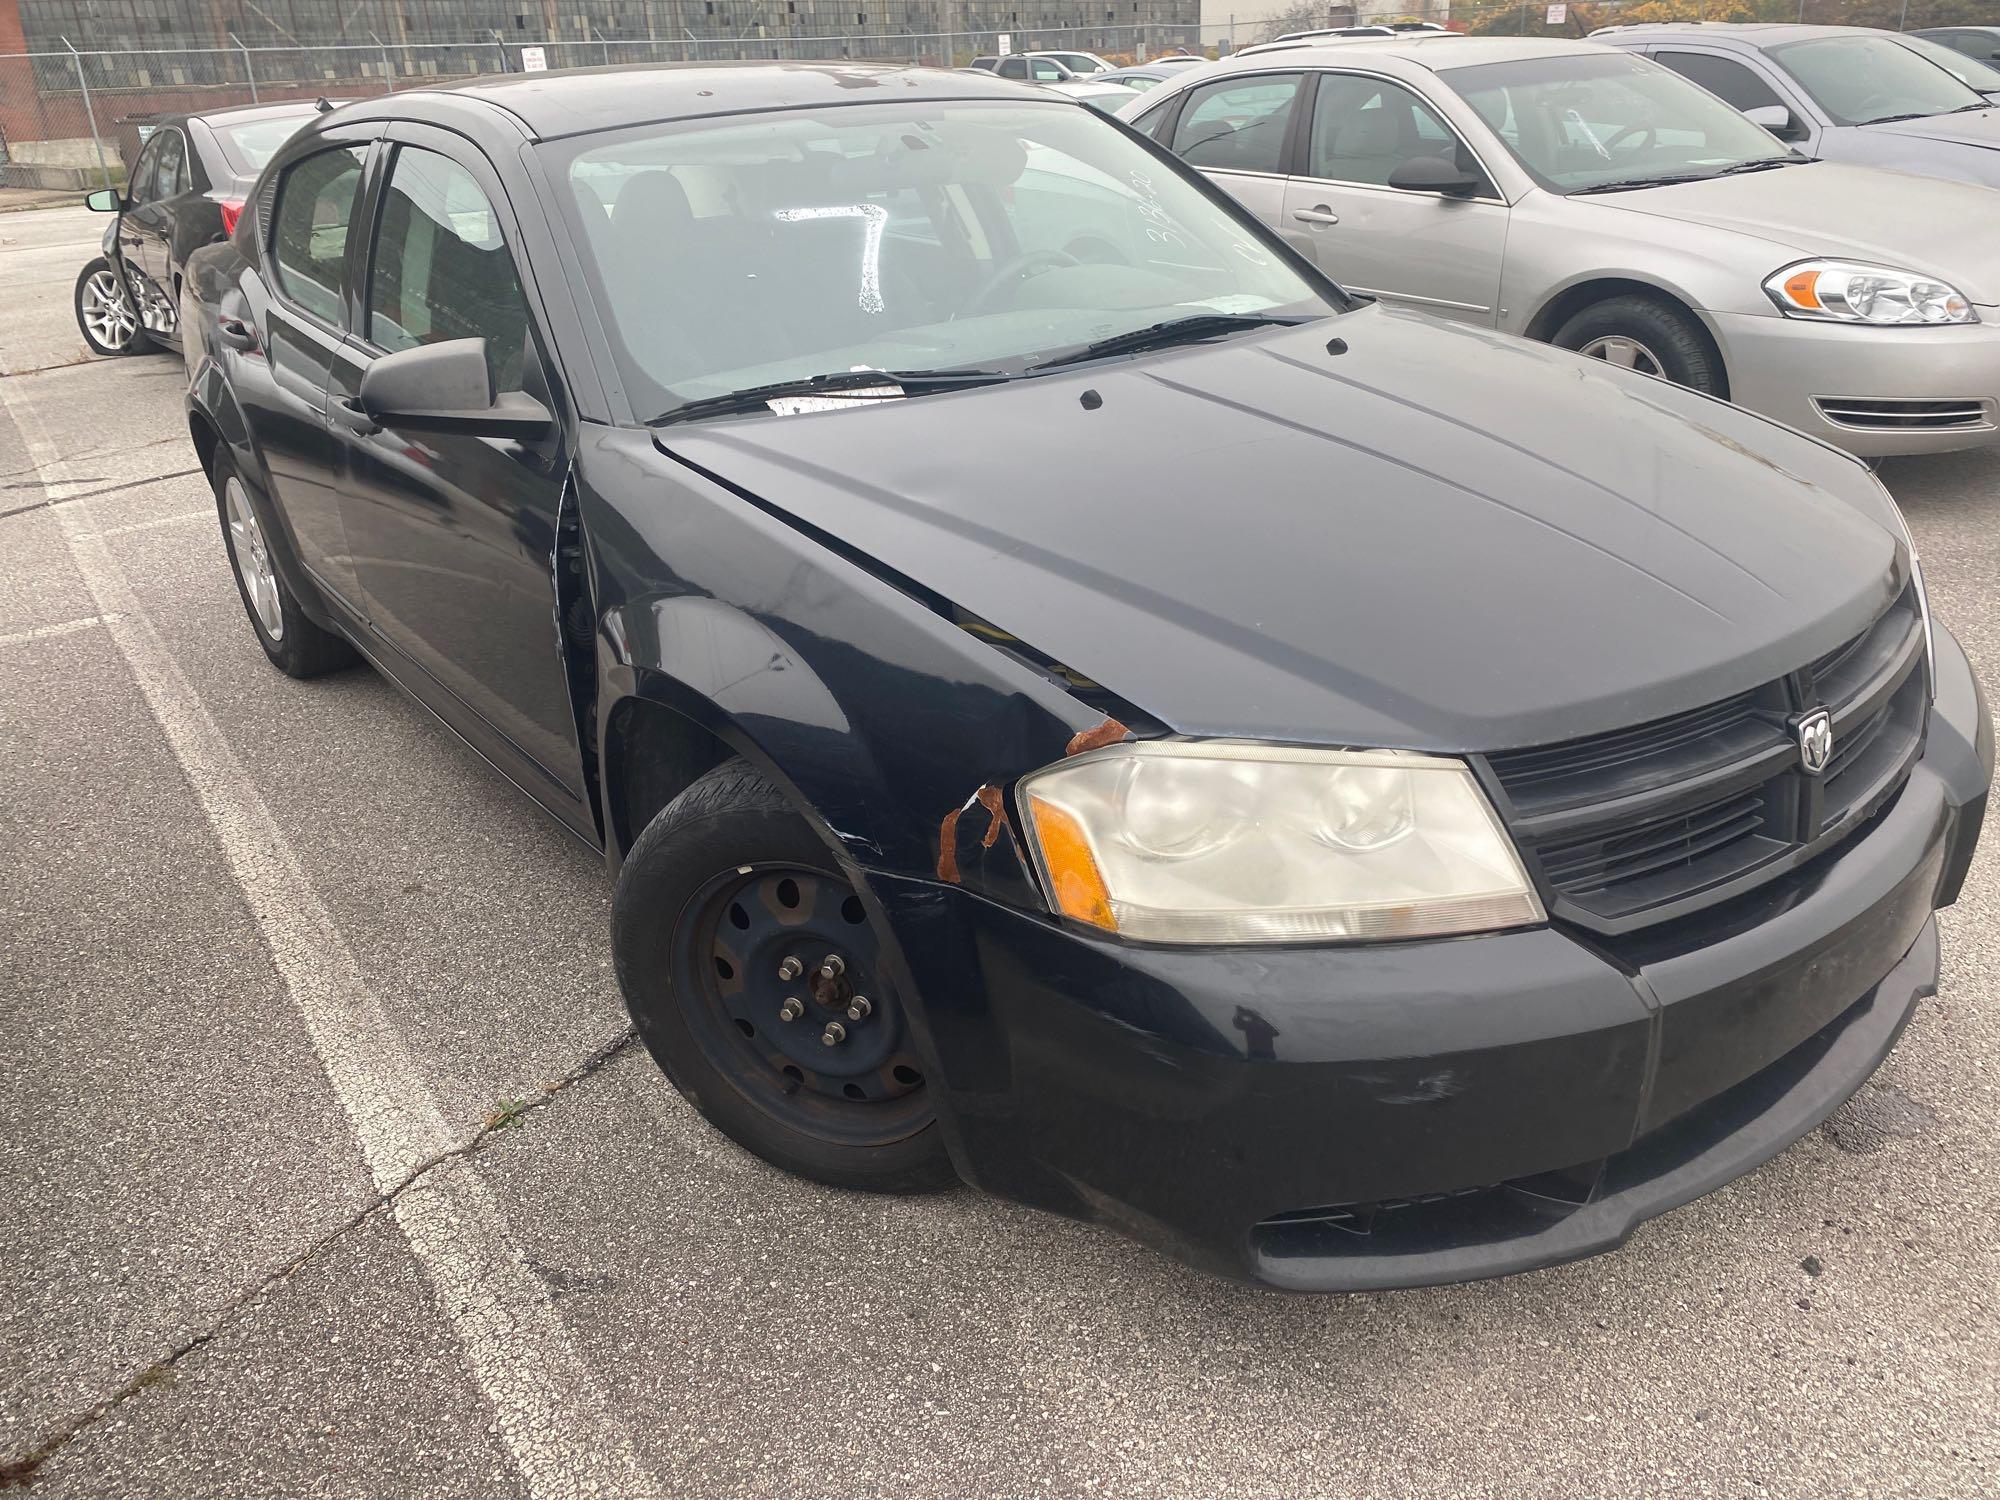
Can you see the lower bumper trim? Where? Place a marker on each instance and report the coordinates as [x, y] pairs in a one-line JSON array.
[[1558, 1217]]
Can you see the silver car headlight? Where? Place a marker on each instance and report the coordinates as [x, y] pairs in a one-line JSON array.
[[1174, 841], [1839, 291]]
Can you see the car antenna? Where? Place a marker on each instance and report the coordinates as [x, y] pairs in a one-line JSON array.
[[323, 105]]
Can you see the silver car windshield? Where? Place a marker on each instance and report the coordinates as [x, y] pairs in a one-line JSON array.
[[1868, 80], [1969, 71], [948, 236], [1585, 120]]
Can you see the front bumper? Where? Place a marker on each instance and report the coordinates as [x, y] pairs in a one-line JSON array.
[[1403, 1114], [1797, 372]]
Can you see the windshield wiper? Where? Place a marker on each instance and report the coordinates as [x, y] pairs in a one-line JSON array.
[[855, 383], [1626, 184], [1764, 163], [1925, 114], [1188, 330]]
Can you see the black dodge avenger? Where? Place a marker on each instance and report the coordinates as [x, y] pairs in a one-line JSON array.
[[1074, 701]]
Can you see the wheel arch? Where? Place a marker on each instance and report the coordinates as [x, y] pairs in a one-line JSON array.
[[1567, 301]]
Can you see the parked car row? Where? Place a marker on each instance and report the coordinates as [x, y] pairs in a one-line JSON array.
[[1706, 204], [1431, 803]]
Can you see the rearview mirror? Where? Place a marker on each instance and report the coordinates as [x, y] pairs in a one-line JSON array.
[[448, 387], [1776, 119], [104, 201], [1433, 174]]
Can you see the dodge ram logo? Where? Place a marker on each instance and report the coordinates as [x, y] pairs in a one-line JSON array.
[[1816, 741]]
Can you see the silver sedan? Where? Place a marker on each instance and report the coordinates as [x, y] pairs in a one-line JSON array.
[[1590, 198], [1839, 93]]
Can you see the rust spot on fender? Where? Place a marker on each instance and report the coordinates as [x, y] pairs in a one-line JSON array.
[[1110, 732], [988, 797]]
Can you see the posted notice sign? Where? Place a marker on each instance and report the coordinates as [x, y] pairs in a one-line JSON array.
[[536, 59], [1558, 14], [1004, 44]]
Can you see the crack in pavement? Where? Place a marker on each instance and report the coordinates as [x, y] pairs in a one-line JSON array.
[[19, 1472], [130, 484]]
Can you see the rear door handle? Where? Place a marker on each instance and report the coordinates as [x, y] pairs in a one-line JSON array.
[[348, 413], [236, 333], [1319, 215]]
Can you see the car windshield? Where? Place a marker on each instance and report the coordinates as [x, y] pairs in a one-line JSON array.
[[732, 254], [252, 143], [1865, 80], [1586, 120], [1969, 71]]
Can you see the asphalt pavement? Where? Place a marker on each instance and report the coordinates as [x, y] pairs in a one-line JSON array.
[[327, 1167]]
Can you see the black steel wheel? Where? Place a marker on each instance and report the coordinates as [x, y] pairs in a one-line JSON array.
[[753, 972]]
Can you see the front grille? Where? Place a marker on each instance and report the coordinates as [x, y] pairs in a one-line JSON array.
[[1882, 414], [1636, 825]]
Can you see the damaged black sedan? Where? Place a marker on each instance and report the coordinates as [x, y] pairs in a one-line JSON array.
[[1075, 702]]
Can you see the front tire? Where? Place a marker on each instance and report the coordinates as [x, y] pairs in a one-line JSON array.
[[1648, 335], [296, 645], [726, 911], [105, 314]]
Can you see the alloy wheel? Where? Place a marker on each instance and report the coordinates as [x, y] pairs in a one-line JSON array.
[[776, 970], [1626, 353], [253, 560], [107, 311]]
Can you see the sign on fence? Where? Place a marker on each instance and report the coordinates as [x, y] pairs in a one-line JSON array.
[[1005, 44], [534, 60], [1558, 14]]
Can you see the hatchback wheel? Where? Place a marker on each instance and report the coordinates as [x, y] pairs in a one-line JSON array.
[[295, 644], [109, 321], [754, 975], [1647, 335]]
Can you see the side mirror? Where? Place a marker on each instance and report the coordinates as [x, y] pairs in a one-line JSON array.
[[1433, 174], [1776, 119], [448, 387], [104, 201]]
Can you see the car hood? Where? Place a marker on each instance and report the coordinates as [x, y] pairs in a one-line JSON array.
[[1438, 539], [1973, 128], [1945, 228]]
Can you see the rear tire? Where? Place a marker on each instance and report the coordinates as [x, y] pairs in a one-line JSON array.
[[105, 314], [723, 891], [1646, 334], [295, 644]]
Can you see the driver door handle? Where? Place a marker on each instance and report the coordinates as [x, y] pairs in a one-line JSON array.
[[1318, 214]]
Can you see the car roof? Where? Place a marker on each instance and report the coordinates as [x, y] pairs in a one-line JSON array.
[[1753, 34], [1425, 49], [573, 101]]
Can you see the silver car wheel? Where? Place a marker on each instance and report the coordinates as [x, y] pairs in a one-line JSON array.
[[253, 560], [107, 311], [1626, 353]]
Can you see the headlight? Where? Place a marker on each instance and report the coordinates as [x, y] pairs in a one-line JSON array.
[[1227, 842], [1838, 291]]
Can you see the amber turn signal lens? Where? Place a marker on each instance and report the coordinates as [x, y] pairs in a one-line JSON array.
[[1803, 289], [1076, 884]]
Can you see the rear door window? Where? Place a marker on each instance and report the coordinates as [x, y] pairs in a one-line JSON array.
[[1239, 125], [309, 228]]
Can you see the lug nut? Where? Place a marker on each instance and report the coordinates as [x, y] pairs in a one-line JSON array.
[[832, 968], [790, 969], [858, 1008], [834, 1034], [792, 1009]]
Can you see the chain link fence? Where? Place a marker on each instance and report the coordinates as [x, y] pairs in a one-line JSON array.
[[75, 118]]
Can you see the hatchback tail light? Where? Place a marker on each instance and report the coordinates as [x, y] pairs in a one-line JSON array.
[[232, 210]]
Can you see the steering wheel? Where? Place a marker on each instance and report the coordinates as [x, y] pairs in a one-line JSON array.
[[1641, 129], [1013, 270]]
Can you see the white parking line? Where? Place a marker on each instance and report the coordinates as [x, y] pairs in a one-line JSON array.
[[43, 632], [553, 1418]]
